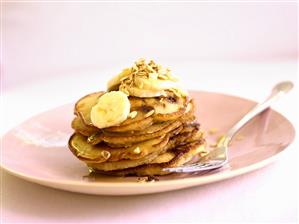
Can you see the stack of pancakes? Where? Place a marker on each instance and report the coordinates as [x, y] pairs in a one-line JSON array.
[[150, 139]]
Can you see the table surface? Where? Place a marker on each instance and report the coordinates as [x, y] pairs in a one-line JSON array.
[[269, 194]]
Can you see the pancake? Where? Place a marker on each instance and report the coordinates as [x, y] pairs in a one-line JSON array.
[[155, 166], [142, 106], [150, 125], [84, 105], [170, 116], [129, 137], [123, 164], [183, 138], [171, 134], [151, 129], [133, 126], [102, 152], [136, 128], [129, 140], [79, 126], [167, 108], [170, 102], [113, 152]]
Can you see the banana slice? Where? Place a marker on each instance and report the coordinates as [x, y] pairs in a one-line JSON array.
[[151, 86], [111, 109], [142, 93], [116, 80]]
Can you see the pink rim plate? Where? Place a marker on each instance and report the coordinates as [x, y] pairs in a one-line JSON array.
[[37, 149]]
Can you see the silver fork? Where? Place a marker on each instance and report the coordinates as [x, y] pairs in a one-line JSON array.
[[219, 156]]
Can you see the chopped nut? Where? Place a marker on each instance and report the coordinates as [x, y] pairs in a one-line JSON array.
[[105, 154], [136, 150], [90, 170], [220, 141], [213, 131], [203, 153], [150, 113], [142, 179], [175, 91], [91, 138], [151, 63], [124, 90], [133, 114], [163, 77], [189, 107], [135, 68], [149, 69], [140, 61]]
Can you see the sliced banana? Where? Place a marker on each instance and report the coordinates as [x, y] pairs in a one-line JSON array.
[[135, 91], [116, 80], [111, 109], [153, 83]]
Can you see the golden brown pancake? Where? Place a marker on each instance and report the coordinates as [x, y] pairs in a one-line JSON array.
[[133, 126], [162, 102], [149, 154], [151, 129], [142, 106], [173, 158], [129, 140], [171, 134], [149, 124], [84, 105], [123, 164], [98, 153], [79, 126]]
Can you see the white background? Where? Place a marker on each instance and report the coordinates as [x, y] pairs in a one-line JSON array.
[[44, 39]]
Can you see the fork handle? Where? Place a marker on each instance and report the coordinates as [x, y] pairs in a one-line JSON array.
[[277, 91]]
